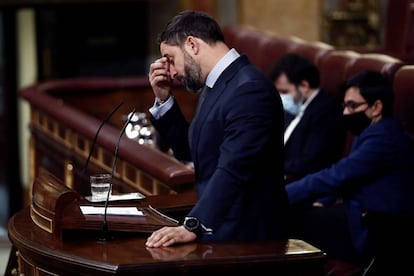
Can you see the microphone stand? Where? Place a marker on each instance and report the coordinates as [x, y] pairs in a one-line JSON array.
[[85, 167], [105, 235]]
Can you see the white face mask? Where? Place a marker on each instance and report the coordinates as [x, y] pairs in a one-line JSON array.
[[289, 104]]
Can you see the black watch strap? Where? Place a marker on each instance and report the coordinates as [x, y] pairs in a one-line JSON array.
[[192, 224]]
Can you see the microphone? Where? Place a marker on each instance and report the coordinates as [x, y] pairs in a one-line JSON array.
[[105, 235], [108, 116]]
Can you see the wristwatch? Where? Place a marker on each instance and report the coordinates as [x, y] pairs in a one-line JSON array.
[[192, 224]]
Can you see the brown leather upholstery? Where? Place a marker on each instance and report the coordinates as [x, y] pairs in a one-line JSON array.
[[246, 41], [339, 65], [334, 69], [264, 48], [404, 97], [312, 50], [272, 48], [399, 30], [230, 33], [378, 62]]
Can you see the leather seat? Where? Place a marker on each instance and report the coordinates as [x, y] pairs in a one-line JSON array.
[[245, 40], [404, 97], [272, 48], [314, 51], [378, 62], [334, 70], [230, 33]]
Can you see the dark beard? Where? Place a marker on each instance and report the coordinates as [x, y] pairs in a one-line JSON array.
[[192, 74]]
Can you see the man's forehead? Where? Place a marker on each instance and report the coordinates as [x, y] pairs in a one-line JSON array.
[[167, 50], [353, 91]]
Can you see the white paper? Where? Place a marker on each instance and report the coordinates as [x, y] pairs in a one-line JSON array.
[[130, 196], [95, 210]]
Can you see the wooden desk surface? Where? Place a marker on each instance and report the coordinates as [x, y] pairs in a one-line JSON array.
[[79, 253]]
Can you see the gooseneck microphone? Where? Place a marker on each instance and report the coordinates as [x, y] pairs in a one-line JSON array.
[[104, 121], [105, 235]]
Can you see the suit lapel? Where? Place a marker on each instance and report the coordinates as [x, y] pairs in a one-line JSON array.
[[211, 97]]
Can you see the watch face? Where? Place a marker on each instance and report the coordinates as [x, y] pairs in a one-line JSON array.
[[191, 224]]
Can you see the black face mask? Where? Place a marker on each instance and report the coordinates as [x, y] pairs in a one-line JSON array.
[[356, 122]]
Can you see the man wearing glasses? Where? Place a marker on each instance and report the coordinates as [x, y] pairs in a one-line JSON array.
[[376, 176]]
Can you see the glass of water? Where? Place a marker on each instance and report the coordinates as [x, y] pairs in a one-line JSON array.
[[100, 186]]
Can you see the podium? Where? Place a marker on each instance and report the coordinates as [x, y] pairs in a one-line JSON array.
[[53, 237], [56, 208]]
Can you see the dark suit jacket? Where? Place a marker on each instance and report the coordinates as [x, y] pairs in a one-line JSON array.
[[237, 150], [288, 118], [318, 139], [377, 175]]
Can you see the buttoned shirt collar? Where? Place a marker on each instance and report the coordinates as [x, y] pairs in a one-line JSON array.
[[223, 63], [308, 101]]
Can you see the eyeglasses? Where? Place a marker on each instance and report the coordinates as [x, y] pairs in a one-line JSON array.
[[352, 105]]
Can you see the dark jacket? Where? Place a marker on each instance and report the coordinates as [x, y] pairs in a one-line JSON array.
[[377, 175], [319, 138], [237, 150]]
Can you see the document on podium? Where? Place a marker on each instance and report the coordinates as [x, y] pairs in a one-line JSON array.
[[122, 218], [120, 197], [97, 210]]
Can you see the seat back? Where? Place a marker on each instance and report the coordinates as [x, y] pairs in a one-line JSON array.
[[230, 33], [312, 50], [334, 70], [245, 40], [272, 48], [378, 62], [262, 48], [399, 29], [404, 97]]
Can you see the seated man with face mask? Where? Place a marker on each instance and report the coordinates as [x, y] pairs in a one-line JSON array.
[[314, 135], [376, 176]]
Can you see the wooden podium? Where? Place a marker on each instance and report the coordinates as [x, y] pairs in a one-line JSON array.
[[56, 208], [53, 237]]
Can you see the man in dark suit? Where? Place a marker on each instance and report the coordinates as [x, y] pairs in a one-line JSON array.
[[235, 139], [314, 133]]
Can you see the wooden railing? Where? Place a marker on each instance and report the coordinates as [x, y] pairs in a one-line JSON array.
[[65, 116]]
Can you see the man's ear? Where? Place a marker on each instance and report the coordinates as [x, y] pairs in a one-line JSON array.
[[192, 45], [305, 84], [377, 108]]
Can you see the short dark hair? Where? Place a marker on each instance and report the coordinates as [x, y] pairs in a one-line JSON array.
[[297, 68], [194, 23], [374, 86]]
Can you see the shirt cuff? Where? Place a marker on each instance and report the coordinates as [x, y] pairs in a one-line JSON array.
[[158, 110]]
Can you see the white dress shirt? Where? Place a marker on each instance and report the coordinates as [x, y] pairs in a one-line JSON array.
[[291, 127]]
